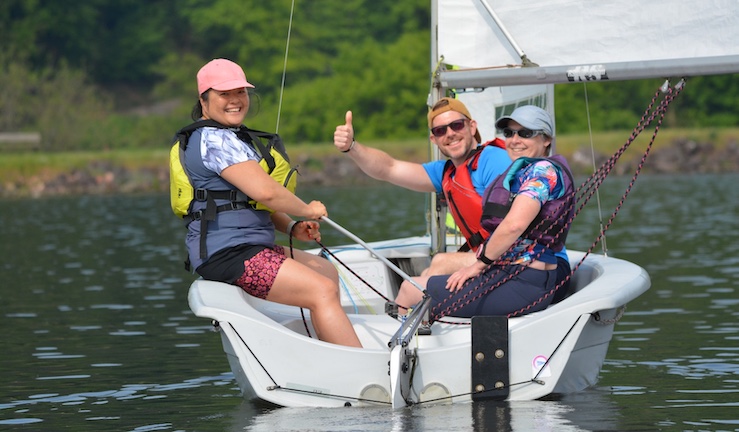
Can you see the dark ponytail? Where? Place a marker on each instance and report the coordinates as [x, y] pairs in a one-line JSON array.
[[197, 109]]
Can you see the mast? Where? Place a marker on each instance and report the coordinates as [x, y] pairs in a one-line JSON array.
[[437, 215]]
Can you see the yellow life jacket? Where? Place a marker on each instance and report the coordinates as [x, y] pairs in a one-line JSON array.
[[275, 162]]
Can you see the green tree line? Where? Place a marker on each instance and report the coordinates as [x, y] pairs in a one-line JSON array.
[[100, 74]]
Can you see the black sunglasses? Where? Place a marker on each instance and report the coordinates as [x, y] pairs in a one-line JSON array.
[[523, 133], [456, 126]]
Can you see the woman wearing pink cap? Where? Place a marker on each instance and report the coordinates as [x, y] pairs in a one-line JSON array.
[[238, 241]]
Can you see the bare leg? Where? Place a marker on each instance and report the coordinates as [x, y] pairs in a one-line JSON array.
[[317, 263], [409, 295], [448, 262], [307, 286], [441, 264]]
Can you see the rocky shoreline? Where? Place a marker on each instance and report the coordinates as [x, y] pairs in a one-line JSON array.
[[683, 156], [105, 177]]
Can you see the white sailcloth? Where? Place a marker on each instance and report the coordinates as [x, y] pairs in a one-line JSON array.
[[487, 105], [496, 55], [687, 36]]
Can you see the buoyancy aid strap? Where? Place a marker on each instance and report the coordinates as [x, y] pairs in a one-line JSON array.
[[474, 157], [475, 240], [208, 215], [196, 216], [203, 238], [464, 248], [496, 210], [229, 195], [255, 139], [183, 134]]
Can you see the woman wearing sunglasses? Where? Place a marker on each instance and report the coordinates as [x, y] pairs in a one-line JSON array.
[[527, 211]]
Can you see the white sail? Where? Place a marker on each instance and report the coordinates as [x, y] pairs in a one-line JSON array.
[[495, 55], [583, 40], [494, 102]]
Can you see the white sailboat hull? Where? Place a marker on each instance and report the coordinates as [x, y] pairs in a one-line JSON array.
[[274, 359], [494, 59]]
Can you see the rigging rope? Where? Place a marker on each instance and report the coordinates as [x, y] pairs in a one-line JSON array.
[[592, 155], [581, 196], [325, 249], [276, 386], [284, 66]]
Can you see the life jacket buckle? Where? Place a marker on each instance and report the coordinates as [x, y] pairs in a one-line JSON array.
[[195, 216], [200, 194], [232, 206]]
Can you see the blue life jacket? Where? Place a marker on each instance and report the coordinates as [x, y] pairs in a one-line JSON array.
[[199, 194]]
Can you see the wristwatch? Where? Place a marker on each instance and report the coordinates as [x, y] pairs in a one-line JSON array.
[[481, 255]]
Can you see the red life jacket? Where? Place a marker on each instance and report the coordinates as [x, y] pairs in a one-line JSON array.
[[464, 202]]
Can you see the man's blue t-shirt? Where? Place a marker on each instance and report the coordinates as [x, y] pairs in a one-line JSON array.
[[492, 162]]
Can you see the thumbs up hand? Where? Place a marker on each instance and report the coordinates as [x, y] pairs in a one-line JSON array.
[[344, 134]]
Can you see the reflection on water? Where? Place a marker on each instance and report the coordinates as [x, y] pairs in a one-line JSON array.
[[590, 410], [98, 334]]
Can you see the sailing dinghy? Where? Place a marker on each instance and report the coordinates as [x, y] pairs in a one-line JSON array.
[[494, 56], [558, 350]]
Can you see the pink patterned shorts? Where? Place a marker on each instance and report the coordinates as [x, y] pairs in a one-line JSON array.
[[261, 270]]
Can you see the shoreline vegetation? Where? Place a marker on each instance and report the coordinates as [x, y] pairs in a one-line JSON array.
[[34, 174]]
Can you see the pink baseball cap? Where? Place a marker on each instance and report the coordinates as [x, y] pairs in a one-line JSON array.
[[221, 74]]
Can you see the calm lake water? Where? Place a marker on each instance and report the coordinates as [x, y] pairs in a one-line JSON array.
[[98, 336]]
